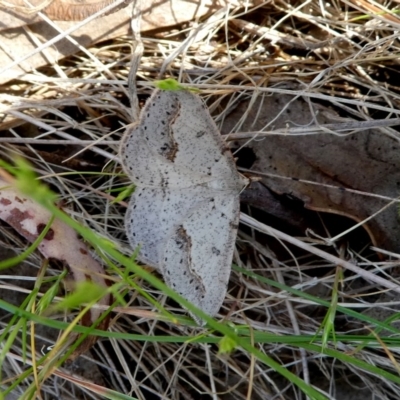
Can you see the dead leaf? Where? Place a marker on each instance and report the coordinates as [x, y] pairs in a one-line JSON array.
[[366, 161], [17, 29], [61, 243], [74, 10], [17, 13]]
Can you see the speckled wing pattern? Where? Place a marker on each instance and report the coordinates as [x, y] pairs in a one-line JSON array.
[[184, 212]]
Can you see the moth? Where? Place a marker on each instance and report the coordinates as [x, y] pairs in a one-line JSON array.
[[184, 212]]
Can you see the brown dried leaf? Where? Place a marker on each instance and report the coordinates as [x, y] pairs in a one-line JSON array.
[[366, 161], [17, 42], [17, 13], [73, 10], [61, 243]]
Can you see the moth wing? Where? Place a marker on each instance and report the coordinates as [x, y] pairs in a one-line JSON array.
[[142, 224], [176, 144], [185, 211], [151, 215], [197, 257], [201, 147]]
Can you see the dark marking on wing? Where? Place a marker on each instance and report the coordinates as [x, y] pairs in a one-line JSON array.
[[164, 182], [170, 148], [215, 251], [183, 241]]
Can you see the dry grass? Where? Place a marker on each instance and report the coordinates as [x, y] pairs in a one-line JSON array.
[[67, 121]]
